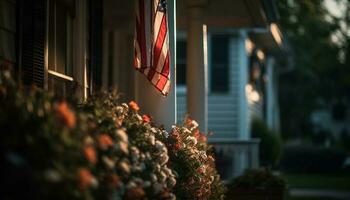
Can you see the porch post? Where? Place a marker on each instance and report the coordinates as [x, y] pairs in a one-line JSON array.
[[270, 92], [244, 112], [151, 101], [196, 78]]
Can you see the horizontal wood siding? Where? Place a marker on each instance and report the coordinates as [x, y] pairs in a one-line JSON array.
[[223, 109]]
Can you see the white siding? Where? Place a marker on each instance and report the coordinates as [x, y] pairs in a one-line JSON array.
[[223, 109]]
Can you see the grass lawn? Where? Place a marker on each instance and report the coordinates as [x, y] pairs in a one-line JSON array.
[[334, 182], [311, 198]]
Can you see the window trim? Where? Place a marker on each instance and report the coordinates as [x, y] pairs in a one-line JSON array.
[[60, 75]]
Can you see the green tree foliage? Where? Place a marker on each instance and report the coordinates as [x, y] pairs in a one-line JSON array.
[[319, 45]]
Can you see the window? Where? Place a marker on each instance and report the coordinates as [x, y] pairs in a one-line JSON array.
[[7, 31], [60, 47], [219, 64], [181, 55]]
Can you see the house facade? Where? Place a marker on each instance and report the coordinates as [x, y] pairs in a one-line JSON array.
[[76, 47]]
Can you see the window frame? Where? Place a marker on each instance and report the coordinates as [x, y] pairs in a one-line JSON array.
[[79, 48]]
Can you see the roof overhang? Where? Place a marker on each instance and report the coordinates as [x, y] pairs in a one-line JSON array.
[[228, 13], [270, 40]]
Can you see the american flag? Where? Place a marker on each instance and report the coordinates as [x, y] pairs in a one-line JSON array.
[[152, 43]]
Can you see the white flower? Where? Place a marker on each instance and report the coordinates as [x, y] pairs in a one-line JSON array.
[[172, 196], [52, 176], [135, 151], [154, 177], [123, 146], [163, 159], [171, 182], [159, 145], [152, 139], [194, 125], [165, 134], [120, 133], [119, 110], [131, 184], [185, 130], [154, 130], [94, 182], [139, 118], [88, 140], [126, 107], [191, 141], [203, 154], [108, 162], [162, 177], [125, 166]]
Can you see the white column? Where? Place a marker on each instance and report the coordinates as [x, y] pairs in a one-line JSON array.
[[197, 89], [244, 114], [150, 100], [270, 92]]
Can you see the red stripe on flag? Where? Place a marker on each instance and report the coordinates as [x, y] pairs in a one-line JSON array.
[[160, 42], [141, 34], [165, 70]]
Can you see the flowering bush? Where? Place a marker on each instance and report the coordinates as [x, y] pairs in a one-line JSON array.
[[100, 149], [40, 145], [192, 159], [136, 154]]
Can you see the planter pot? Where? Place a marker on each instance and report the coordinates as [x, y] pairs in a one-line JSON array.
[[256, 194]]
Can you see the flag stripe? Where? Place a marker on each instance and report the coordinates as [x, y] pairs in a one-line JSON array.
[[152, 43], [160, 41]]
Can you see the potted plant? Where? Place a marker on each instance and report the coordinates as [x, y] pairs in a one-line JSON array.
[[259, 184]]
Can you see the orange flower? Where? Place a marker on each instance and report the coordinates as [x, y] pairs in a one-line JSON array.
[[90, 154], [105, 141], [146, 118], [200, 170], [177, 146], [203, 138], [210, 158], [66, 114], [85, 178], [133, 105], [135, 193], [196, 134]]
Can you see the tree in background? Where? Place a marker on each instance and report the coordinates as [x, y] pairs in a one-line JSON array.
[[321, 61]]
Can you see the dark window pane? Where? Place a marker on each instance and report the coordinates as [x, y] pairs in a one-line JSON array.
[[219, 63], [181, 62], [60, 38]]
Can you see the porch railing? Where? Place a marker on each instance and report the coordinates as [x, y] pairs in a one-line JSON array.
[[235, 155]]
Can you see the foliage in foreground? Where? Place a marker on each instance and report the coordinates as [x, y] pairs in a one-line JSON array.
[[98, 150]]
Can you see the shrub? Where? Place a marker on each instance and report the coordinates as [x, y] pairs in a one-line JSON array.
[[192, 159], [270, 143], [101, 149], [311, 159], [255, 180]]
